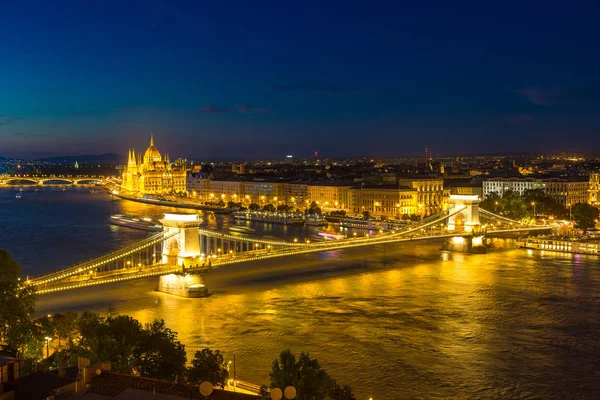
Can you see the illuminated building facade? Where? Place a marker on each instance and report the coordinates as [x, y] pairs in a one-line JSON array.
[[414, 196], [565, 191], [594, 189], [152, 174], [390, 201]]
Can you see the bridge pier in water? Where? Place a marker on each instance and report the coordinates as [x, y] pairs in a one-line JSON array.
[[464, 218], [466, 244]]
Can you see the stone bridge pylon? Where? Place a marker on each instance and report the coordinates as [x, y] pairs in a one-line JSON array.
[[464, 213], [183, 243]]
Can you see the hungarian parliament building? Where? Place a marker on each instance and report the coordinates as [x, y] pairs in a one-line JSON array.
[[152, 174]]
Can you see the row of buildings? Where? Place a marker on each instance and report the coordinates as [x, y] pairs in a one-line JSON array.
[[408, 196], [154, 174], [567, 191]]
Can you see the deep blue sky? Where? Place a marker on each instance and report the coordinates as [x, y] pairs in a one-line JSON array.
[[252, 78]]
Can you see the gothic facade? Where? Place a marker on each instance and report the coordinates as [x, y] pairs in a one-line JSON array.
[[152, 174]]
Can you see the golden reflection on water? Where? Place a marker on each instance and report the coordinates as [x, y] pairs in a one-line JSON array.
[[437, 324]]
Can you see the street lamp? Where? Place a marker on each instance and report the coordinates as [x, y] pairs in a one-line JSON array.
[[571, 211], [48, 339], [533, 204]]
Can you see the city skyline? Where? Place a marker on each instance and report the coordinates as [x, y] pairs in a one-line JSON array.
[[380, 81]]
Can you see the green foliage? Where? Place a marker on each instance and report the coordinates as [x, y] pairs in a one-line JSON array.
[[307, 376], [254, 207], [208, 365], [517, 207], [29, 340], [161, 355], [285, 208], [513, 206], [313, 209], [269, 207], [585, 216], [544, 204], [17, 302], [338, 213], [415, 217], [366, 215], [337, 392]]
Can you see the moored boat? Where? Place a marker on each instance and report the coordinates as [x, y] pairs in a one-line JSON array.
[[331, 235], [241, 229], [574, 245], [129, 221], [313, 221]]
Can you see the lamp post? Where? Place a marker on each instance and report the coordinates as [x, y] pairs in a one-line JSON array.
[[533, 204], [48, 339], [571, 211]]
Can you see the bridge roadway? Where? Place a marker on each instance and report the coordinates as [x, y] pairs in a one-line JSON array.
[[76, 277], [8, 180]]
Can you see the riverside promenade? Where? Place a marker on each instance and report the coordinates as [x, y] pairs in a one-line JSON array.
[[172, 203]]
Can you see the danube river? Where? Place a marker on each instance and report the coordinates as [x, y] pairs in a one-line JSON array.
[[394, 322]]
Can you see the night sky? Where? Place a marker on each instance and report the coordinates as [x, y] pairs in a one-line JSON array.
[[264, 79]]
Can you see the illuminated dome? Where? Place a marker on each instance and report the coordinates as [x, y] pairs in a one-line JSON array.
[[152, 154]]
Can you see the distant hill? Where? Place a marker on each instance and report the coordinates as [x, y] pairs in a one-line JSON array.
[[108, 158]]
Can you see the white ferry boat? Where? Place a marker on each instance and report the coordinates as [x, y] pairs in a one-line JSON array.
[[242, 229], [128, 221], [315, 221], [562, 244], [360, 223], [270, 217]]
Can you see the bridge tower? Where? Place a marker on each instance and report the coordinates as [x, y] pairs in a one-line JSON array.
[[466, 213], [183, 243]]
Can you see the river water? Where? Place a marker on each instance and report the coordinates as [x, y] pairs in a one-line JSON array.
[[398, 321]]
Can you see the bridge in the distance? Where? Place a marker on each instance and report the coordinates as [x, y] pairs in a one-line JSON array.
[[8, 180], [183, 246]]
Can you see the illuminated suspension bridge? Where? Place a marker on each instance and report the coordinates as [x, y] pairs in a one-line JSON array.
[[183, 246]]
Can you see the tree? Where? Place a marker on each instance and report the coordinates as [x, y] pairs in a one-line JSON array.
[[269, 208], [65, 326], [313, 381], [17, 301], [284, 371], [585, 216], [539, 201], [366, 215], [337, 392], [208, 365], [513, 206], [284, 208], [125, 333], [305, 374], [254, 207], [313, 209], [491, 202], [161, 355]]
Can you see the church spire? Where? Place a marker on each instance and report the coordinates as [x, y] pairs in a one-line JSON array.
[[151, 140]]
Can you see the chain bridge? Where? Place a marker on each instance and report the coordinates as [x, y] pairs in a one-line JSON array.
[[184, 246]]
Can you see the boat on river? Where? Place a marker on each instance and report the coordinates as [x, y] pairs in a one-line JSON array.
[[242, 229], [574, 245], [331, 235], [315, 221], [129, 221]]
